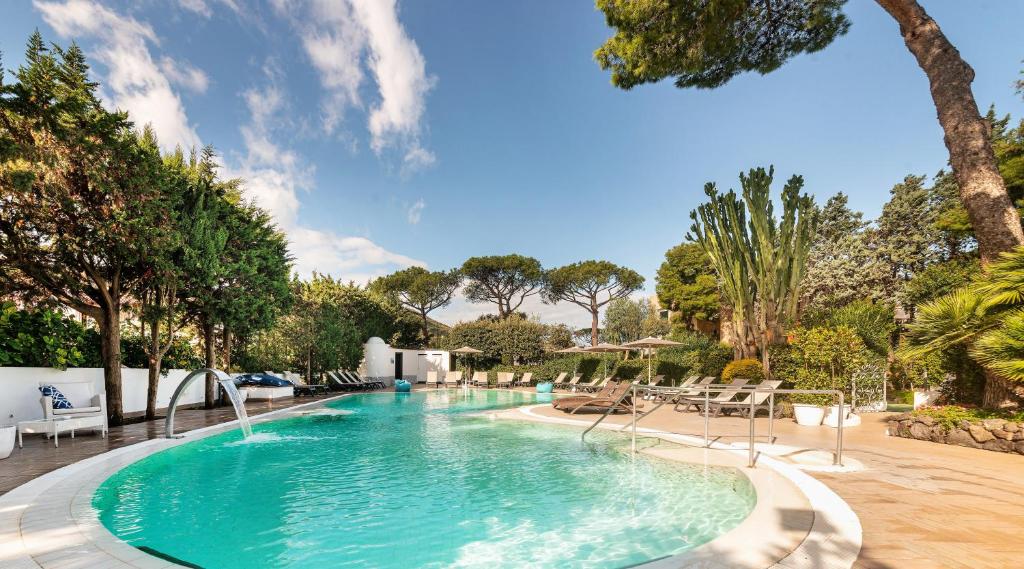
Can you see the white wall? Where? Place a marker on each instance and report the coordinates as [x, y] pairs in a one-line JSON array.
[[379, 363], [19, 389]]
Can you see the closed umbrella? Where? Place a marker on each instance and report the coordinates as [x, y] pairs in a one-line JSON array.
[[651, 344]]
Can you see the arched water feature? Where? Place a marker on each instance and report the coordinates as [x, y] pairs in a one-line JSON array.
[[229, 387]]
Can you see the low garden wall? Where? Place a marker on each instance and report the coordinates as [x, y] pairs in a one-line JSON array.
[[997, 435]]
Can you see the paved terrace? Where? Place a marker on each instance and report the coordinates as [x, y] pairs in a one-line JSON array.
[[920, 504]]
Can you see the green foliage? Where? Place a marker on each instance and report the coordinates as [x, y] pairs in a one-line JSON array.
[[511, 341], [872, 321], [746, 369], [420, 290], [825, 358], [940, 279], [907, 236], [686, 283], [759, 259], [180, 354], [39, 338], [842, 264], [505, 280], [590, 285], [624, 320], [705, 43], [951, 416]]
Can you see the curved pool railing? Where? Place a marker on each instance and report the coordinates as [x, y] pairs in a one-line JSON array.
[[229, 387]]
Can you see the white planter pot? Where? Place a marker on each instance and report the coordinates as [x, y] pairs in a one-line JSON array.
[[831, 418], [807, 414], [925, 398], [7, 440]]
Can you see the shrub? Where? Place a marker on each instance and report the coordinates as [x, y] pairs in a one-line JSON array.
[[748, 368], [826, 358], [39, 338], [950, 416]]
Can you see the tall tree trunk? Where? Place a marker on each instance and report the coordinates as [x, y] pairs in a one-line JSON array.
[[110, 348], [426, 329], [155, 357], [593, 325], [226, 354], [996, 223], [982, 189], [209, 338]]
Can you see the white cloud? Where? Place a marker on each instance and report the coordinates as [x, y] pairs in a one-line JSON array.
[[415, 211], [340, 38], [275, 176], [137, 83], [198, 6], [184, 75]]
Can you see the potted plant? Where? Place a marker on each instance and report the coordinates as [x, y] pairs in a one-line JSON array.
[[809, 408], [7, 433]]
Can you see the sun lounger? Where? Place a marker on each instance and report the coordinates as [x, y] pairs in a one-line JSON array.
[[338, 383], [592, 385], [372, 383], [431, 379], [480, 379], [743, 405], [574, 381], [726, 394], [618, 399], [566, 403], [524, 380], [663, 396], [559, 381], [303, 388], [504, 379], [452, 378]]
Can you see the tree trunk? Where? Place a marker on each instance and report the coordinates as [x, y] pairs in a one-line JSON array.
[[426, 329], [1001, 393], [226, 354], [155, 358], [211, 361], [110, 348], [982, 189], [593, 325]]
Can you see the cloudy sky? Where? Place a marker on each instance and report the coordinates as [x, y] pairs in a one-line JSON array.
[[385, 134]]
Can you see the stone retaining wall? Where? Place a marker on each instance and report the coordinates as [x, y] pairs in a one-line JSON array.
[[991, 434]]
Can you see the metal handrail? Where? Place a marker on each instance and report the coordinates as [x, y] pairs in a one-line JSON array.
[[707, 389], [612, 408]]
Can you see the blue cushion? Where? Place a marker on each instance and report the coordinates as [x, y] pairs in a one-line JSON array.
[[59, 401]]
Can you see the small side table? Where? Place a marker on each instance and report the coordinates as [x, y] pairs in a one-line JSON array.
[[57, 425]]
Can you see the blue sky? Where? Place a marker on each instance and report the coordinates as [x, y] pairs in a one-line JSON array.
[[424, 132]]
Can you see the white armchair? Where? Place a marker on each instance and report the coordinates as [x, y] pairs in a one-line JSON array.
[[84, 400]]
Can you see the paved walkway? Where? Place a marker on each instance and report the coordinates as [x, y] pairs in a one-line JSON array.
[[920, 504]]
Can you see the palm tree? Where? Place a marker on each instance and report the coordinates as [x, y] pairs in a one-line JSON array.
[[986, 317]]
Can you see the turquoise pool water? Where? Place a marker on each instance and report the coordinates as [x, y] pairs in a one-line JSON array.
[[417, 480]]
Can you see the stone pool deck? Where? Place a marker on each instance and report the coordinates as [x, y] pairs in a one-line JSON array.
[[920, 504]]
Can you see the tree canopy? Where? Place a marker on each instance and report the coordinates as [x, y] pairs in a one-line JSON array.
[[704, 43], [505, 280], [591, 285], [687, 285], [421, 291]]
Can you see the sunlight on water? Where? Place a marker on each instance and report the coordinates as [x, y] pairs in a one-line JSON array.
[[420, 480]]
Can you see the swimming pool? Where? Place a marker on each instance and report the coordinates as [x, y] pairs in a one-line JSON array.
[[417, 480]]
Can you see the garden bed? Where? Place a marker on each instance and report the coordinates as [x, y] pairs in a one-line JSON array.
[[999, 432]]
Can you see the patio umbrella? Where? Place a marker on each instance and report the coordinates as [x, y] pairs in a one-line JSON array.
[[572, 350], [651, 344], [467, 351], [604, 348]]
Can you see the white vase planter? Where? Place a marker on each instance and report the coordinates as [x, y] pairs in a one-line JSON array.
[[831, 418], [807, 414], [7, 440]]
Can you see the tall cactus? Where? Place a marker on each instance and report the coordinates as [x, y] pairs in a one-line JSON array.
[[760, 260]]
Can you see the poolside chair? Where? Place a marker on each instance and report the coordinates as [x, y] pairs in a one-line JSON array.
[[504, 379], [303, 388], [431, 379], [559, 381], [669, 396], [592, 385], [574, 381], [567, 403], [452, 378], [524, 380], [370, 383], [683, 393], [480, 379], [727, 394], [743, 405], [335, 381], [618, 399]]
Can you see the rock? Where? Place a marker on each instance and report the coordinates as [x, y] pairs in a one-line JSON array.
[[925, 419], [893, 429], [1019, 447], [993, 424], [902, 417], [904, 429], [1018, 436], [1001, 434], [965, 424], [962, 438], [1011, 427], [920, 431], [980, 433], [998, 445], [938, 434]]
